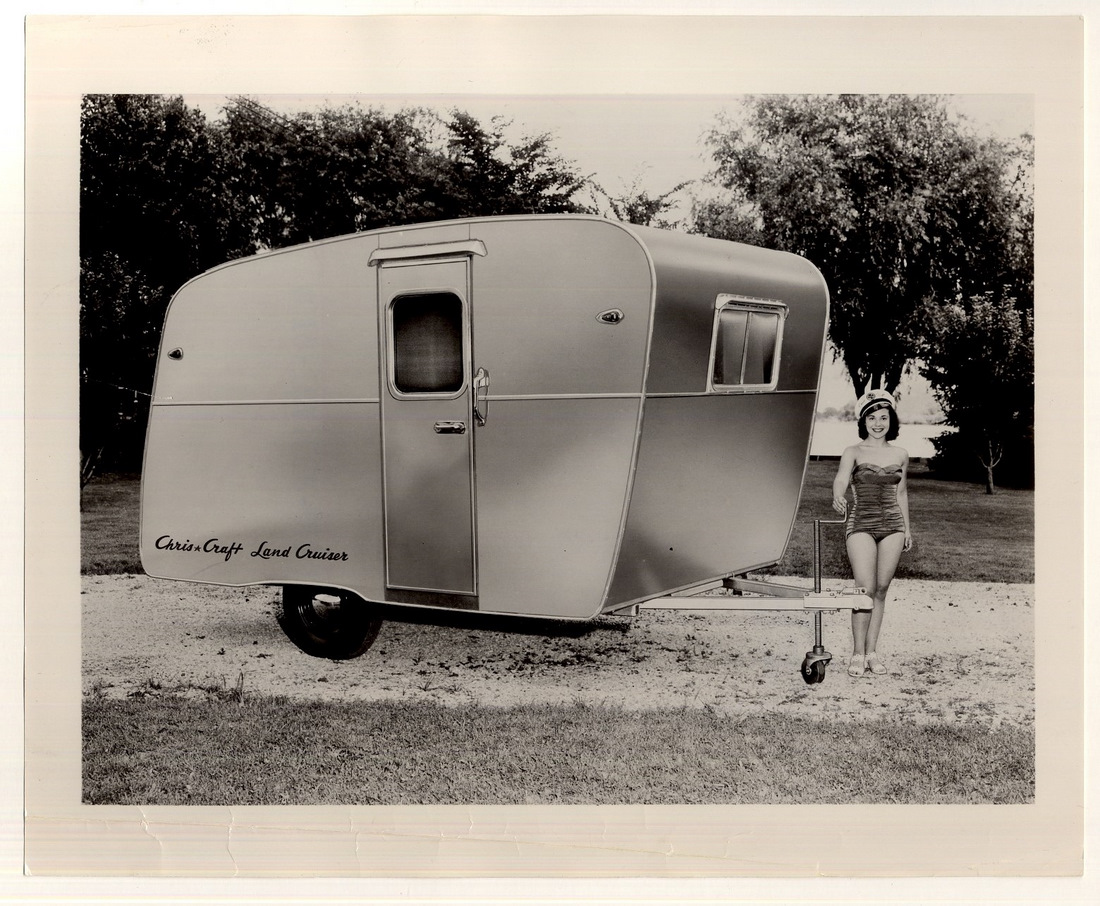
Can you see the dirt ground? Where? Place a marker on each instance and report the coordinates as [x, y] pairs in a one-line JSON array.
[[956, 652]]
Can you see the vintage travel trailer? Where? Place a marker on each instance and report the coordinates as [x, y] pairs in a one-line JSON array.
[[548, 416]]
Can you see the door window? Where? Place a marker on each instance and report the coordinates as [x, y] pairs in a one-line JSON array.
[[427, 343]]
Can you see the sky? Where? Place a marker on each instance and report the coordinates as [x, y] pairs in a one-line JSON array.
[[628, 143]]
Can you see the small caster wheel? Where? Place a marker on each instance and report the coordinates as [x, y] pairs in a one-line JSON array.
[[813, 669]]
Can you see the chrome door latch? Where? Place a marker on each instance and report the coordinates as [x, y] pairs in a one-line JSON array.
[[481, 396]]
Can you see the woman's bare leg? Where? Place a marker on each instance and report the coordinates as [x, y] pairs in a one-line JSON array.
[[889, 553], [863, 554]]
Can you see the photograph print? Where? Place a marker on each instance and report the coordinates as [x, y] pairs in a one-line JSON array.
[[596, 472], [461, 451]]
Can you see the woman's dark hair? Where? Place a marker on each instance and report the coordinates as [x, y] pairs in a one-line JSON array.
[[891, 432]]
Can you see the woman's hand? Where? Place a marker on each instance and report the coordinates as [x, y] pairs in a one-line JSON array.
[[908, 543], [840, 504]]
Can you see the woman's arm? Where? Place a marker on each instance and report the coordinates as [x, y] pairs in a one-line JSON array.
[[843, 477], [903, 499]]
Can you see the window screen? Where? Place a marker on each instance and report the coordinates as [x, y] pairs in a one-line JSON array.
[[746, 346], [427, 343]]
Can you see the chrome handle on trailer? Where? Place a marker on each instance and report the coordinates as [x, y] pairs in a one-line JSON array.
[[481, 396], [450, 427], [817, 549], [819, 646]]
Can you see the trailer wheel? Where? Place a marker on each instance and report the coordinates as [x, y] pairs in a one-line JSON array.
[[328, 622]]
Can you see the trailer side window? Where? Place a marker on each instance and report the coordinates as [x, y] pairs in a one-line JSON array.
[[746, 344], [427, 343]]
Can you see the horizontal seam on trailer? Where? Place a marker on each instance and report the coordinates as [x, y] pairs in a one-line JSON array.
[[494, 398], [307, 402], [675, 393]]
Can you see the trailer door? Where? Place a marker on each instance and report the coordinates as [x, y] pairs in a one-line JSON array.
[[427, 432]]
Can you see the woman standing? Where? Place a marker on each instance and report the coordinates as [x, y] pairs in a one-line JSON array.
[[878, 524]]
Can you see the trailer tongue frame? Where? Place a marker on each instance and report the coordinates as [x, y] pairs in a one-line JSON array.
[[762, 594]]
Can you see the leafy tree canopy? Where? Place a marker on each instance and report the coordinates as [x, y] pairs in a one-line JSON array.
[[980, 361], [340, 170], [893, 198], [637, 205], [486, 174]]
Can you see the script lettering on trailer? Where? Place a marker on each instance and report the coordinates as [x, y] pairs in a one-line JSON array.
[[265, 551]]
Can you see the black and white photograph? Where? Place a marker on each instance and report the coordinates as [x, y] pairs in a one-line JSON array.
[[445, 376], [583, 478]]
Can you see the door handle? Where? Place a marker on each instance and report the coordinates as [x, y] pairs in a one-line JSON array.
[[481, 396], [450, 427]]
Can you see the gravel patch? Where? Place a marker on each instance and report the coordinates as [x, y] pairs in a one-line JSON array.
[[956, 652]]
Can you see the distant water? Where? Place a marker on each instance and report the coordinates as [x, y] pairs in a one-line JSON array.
[[831, 436]]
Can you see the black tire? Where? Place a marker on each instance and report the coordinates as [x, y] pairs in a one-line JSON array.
[[815, 672], [338, 631]]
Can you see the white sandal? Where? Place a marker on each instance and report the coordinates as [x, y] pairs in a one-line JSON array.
[[857, 665], [875, 665]]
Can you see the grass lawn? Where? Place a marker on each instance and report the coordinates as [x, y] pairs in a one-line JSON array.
[[110, 517], [961, 534], [235, 750]]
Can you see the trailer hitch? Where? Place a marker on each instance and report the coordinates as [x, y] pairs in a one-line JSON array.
[[762, 594], [817, 658]]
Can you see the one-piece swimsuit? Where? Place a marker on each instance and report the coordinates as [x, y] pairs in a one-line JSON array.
[[875, 509]]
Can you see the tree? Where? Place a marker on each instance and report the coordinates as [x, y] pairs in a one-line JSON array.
[[346, 169], [119, 317], [978, 353], [636, 205], [330, 172], [1019, 272], [725, 217], [486, 174], [153, 214], [152, 188], [980, 362], [895, 200]]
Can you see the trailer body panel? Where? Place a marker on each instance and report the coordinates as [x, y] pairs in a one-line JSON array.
[[734, 458], [291, 325], [292, 488], [549, 532]]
